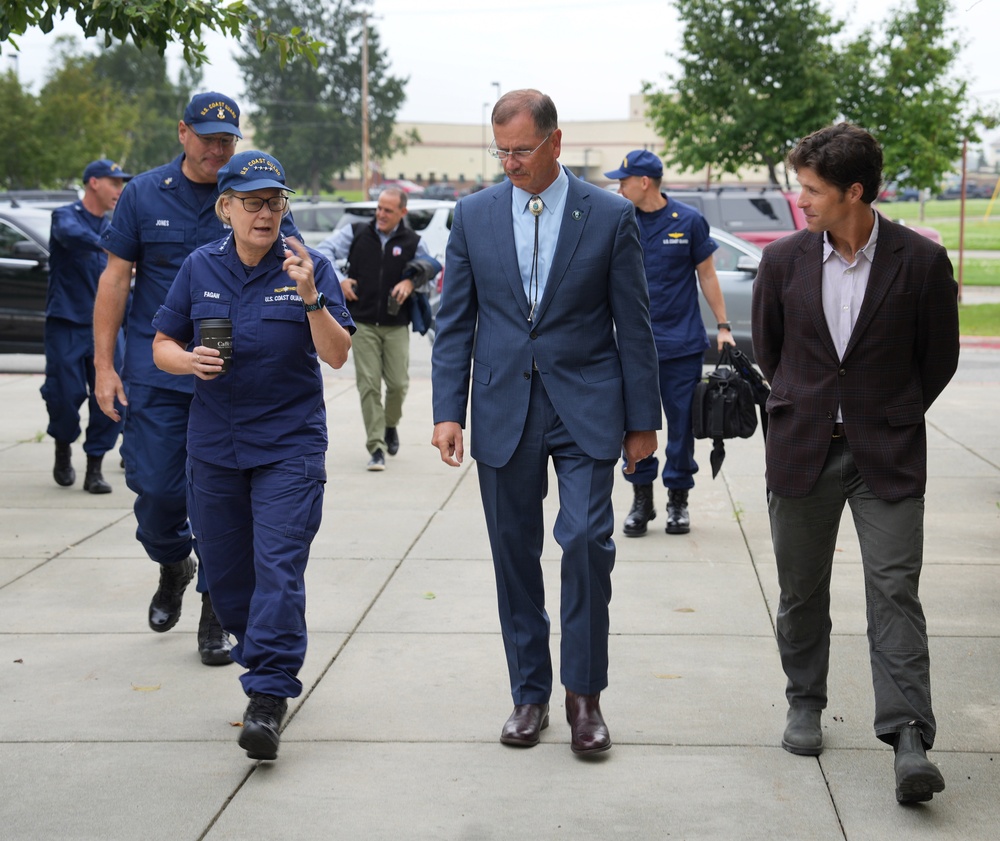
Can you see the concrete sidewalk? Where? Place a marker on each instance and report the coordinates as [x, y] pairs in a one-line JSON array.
[[110, 731]]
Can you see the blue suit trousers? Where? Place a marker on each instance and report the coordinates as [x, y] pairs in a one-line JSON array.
[[512, 501], [254, 530]]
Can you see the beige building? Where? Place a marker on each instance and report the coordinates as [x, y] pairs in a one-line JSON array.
[[456, 153]]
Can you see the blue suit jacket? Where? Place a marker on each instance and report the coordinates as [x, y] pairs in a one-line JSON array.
[[590, 339]]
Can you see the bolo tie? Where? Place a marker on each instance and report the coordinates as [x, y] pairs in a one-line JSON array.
[[535, 205]]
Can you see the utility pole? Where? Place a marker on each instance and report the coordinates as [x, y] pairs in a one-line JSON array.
[[364, 107]]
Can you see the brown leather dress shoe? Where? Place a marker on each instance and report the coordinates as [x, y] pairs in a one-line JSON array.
[[590, 733], [525, 724]]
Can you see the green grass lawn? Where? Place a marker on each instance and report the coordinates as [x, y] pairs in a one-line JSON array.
[[981, 233], [979, 319], [978, 271]]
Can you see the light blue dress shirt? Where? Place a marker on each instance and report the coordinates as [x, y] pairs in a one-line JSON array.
[[844, 287], [549, 222]]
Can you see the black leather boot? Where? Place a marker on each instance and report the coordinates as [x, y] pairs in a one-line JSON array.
[[917, 778], [642, 511], [93, 481], [63, 472], [214, 643], [261, 726], [165, 608], [678, 520]]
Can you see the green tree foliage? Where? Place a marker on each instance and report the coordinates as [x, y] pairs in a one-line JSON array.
[[85, 117], [897, 83], [140, 80], [753, 78], [157, 23], [118, 103], [20, 142], [310, 117]]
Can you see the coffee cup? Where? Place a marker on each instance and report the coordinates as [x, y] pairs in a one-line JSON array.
[[218, 333]]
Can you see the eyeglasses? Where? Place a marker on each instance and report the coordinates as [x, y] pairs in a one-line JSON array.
[[223, 140], [253, 204], [520, 154]]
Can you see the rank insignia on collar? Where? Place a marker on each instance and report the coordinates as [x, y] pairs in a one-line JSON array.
[[169, 180]]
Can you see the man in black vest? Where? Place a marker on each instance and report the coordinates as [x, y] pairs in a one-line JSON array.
[[386, 261]]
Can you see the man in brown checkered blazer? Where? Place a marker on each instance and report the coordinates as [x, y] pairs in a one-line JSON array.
[[855, 324]]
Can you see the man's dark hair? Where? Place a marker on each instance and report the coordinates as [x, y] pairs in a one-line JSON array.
[[843, 154], [539, 105]]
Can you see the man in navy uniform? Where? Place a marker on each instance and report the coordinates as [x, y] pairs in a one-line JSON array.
[[163, 216], [76, 260]]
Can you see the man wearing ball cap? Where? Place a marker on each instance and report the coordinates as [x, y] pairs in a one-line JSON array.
[[677, 255], [163, 216]]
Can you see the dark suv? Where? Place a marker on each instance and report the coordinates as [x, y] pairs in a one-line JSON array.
[[759, 215], [24, 275]]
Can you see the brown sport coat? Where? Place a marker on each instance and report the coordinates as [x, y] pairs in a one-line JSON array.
[[901, 355]]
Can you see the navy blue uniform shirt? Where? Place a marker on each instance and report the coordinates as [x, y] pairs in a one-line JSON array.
[[269, 406], [158, 222], [76, 260], [675, 239]]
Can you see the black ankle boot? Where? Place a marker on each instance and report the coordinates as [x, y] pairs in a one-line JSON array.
[[94, 482], [642, 511], [261, 725], [917, 778], [678, 520], [63, 472], [165, 608], [214, 643]]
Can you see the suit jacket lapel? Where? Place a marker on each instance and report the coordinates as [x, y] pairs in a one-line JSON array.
[[809, 278], [885, 267], [503, 233], [574, 220]]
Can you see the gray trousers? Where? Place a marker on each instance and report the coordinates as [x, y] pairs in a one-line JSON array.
[[804, 535]]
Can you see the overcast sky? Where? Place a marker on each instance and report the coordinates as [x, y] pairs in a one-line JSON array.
[[589, 55]]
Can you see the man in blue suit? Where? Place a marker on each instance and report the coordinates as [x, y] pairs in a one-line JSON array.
[[546, 305]]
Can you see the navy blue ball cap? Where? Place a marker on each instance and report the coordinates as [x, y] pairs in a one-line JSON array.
[[253, 170], [213, 113], [104, 168], [638, 162]]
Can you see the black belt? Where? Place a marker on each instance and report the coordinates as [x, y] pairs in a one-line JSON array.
[[838, 430]]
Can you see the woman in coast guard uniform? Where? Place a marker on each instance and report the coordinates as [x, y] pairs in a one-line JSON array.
[[257, 433]]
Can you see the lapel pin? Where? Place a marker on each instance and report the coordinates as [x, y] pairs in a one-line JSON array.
[[577, 215]]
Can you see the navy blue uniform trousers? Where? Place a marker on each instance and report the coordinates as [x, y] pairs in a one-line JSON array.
[[254, 530], [512, 501], [69, 383], [678, 378], [155, 451]]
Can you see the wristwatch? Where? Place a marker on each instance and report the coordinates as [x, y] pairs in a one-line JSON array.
[[320, 303], [724, 325]]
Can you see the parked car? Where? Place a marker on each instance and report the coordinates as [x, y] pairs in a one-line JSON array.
[[24, 276], [736, 262], [428, 217], [972, 191], [411, 188], [441, 190], [758, 215], [316, 220]]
